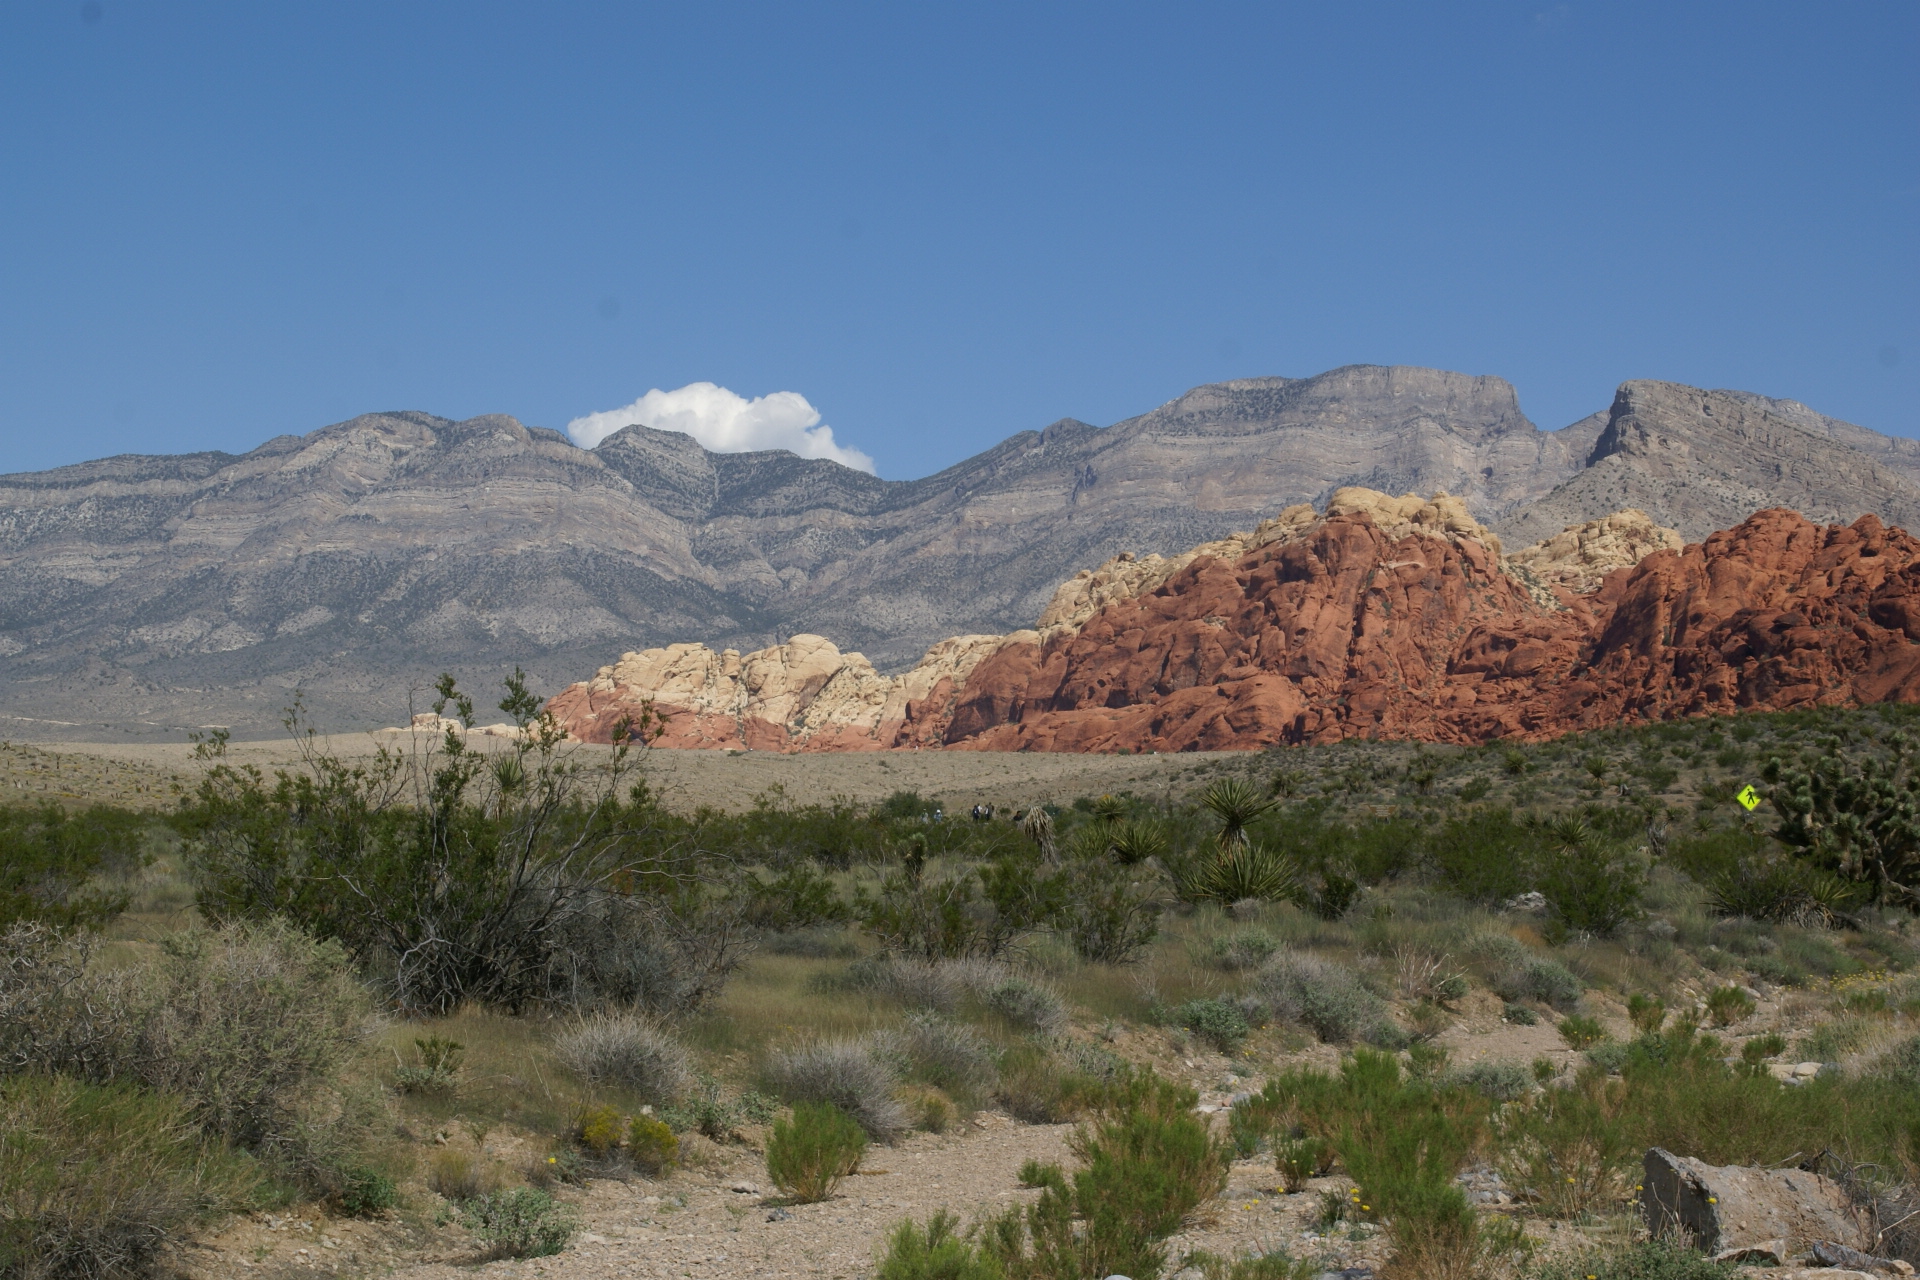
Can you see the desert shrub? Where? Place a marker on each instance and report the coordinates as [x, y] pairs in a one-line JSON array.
[[1039, 1085], [1581, 1032], [1298, 1159], [502, 879], [1403, 1144], [1146, 1163], [1593, 882], [1610, 1056], [1239, 951], [846, 1074], [1027, 1005], [1496, 1081], [920, 984], [598, 1128], [249, 1025], [1426, 1060], [1647, 1013], [1483, 855], [1728, 1005], [1648, 1260], [52, 859], [246, 1020], [435, 1068], [809, 1153], [1218, 1022], [93, 1178], [455, 1174], [705, 1108], [366, 1193], [930, 1108], [945, 1054], [1326, 997], [1569, 1151], [521, 1222], [935, 1252], [626, 1049], [799, 897], [1516, 973], [1244, 871], [651, 1144]]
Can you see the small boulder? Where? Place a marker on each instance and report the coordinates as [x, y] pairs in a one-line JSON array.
[[1740, 1214]]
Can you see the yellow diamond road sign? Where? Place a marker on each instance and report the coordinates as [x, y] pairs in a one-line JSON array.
[[1748, 798]]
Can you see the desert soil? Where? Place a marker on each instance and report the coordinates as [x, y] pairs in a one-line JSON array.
[[154, 774]]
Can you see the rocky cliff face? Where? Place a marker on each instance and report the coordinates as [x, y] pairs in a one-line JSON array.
[[1383, 618], [1350, 631], [1698, 461], [144, 595]]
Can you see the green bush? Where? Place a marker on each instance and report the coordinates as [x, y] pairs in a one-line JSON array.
[[521, 1222], [467, 876], [1298, 1159], [1239, 951], [366, 1193], [599, 1129], [1593, 882], [808, 1154], [651, 1145], [1218, 1022], [1581, 1032], [936, 1252], [49, 859], [94, 1178], [435, 1068], [1146, 1163], [1728, 1005]]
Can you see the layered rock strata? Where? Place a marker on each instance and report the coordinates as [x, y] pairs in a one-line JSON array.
[[1385, 617]]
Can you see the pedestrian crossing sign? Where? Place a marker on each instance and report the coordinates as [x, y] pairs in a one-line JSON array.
[[1749, 798]]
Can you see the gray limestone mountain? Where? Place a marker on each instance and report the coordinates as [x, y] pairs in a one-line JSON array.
[[142, 594], [1698, 461]]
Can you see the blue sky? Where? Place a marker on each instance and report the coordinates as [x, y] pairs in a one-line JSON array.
[[940, 224]]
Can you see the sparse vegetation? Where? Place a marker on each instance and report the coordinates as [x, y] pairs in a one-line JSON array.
[[810, 1152], [914, 972]]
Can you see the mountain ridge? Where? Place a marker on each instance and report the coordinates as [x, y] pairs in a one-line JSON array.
[[144, 593]]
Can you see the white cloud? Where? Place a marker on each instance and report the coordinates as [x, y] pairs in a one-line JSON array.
[[725, 423]]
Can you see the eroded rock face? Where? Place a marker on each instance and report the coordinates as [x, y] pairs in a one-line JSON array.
[[804, 694], [1386, 617], [1579, 557], [1352, 631]]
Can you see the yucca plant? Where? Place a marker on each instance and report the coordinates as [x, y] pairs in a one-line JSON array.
[[1238, 804], [1242, 871]]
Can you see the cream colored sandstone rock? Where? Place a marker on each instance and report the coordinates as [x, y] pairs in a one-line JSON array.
[[1580, 556], [1126, 576]]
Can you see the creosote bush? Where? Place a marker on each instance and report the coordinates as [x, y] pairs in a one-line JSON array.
[[809, 1153]]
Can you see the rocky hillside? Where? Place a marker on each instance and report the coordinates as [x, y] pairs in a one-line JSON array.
[[1384, 617], [146, 594]]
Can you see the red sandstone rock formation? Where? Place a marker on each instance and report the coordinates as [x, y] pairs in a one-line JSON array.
[[1387, 618], [1350, 633]]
